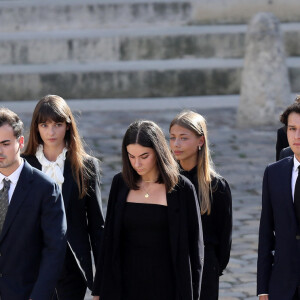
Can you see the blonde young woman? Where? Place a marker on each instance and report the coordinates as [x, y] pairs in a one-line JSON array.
[[153, 246], [55, 147], [189, 144]]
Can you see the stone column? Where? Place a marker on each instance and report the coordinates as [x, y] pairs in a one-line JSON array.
[[265, 88]]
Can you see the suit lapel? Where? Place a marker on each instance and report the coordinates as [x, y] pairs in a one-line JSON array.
[[173, 219], [20, 193], [68, 183], [286, 186]]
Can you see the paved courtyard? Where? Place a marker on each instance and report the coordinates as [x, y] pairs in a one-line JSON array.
[[240, 156]]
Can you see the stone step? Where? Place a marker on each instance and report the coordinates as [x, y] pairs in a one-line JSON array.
[[226, 41], [36, 15], [135, 104], [168, 78], [241, 11]]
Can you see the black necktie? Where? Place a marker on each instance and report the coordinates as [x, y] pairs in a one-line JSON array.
[[4, 202]]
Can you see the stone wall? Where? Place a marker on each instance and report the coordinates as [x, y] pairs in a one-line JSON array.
[[241, 11]]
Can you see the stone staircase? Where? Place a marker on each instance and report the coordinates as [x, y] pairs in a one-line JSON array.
[[123, 49]]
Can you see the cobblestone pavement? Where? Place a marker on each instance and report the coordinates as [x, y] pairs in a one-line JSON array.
[[240, 156]]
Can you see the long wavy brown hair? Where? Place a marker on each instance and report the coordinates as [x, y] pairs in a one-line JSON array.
[[55, 108]]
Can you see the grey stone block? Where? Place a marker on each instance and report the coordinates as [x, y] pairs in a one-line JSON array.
[[51, 15], [265, 89]]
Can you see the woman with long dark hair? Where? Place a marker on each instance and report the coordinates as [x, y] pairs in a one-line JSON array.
[[55, 147], [189, 144], [152, 247]]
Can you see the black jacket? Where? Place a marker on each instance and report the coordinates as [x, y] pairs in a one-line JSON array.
[[217, 226], [278, 261], [286, 152], [186, 242], [282, 141], [84, 216]]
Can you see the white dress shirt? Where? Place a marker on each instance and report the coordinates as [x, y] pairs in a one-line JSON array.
[[14, 177], [53, 169]]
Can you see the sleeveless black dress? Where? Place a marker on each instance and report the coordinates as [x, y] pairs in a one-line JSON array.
[[147, 271]]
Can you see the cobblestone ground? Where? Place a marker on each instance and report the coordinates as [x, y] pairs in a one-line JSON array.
[[240, 156]]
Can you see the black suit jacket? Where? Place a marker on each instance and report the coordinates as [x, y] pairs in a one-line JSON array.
[[285, 152], [84, 216], [217, 226], [32, 242], [186, 241], [282, 141], [279, 235]]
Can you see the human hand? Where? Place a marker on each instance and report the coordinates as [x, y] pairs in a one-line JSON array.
[[264, 297], [96, 298]]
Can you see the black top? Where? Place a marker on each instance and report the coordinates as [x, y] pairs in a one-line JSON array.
[[146, 257], [217, 226]]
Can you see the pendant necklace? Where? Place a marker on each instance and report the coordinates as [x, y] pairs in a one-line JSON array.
[[147, 195]]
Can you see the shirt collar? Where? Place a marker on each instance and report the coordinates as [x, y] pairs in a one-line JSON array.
[[14, 177], [296, 164]]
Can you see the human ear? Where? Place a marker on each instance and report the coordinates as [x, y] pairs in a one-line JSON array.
[[201, 141], [21, 142]]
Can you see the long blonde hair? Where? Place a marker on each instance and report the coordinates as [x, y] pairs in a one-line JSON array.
[[205, 167], [55, 108]]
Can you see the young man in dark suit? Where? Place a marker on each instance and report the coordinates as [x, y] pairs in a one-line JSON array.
[[278, 266], [32, 221]]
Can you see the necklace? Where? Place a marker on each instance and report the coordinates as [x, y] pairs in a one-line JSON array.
[[150, 181], [147, 195]]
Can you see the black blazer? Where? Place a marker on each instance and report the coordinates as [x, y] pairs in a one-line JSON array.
[[33, 239], [217, 226], [84, 216], [186, 242], [282, 141], [285, 152], [278, 262]]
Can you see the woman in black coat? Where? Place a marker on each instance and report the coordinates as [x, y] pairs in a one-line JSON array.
[[55, 147], [153, 246], [189, 144]]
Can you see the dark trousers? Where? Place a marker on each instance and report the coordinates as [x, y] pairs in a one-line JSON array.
[[71, 284], [297, 294], [210, 276]]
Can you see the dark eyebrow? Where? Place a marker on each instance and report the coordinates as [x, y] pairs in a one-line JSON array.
[[139, 155], [5, 141]]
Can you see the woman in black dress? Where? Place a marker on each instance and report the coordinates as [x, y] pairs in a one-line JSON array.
[[153, 246], [55, 147], [189, 144]]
